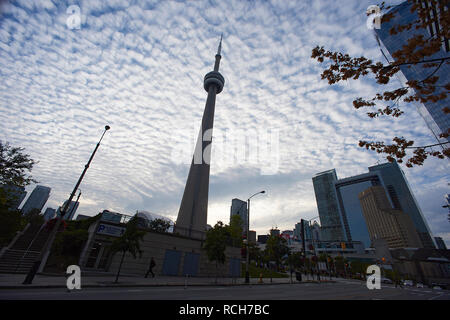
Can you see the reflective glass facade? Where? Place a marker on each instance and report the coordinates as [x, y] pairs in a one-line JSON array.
[[432, 113], [331, 226], [340, 210], [403, 199]]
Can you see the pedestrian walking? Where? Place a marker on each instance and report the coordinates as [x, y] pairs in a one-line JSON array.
[[150, 268]]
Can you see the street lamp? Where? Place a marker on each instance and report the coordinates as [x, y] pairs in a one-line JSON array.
[[42, 258], [247, 275]]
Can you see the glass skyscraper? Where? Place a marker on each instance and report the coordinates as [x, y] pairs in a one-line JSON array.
[[349, 206], [432, 113], [327, 205], [37, 199], [239, 207], [340, 210], [403, 199]]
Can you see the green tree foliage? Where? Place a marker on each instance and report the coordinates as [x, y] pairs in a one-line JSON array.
[[417, 52], [11, 221], [295, 260], [255, 252], [159, 225], [216, 242], [276, 248], [69, 243], [128, 242], [235, 230], [15, 168]]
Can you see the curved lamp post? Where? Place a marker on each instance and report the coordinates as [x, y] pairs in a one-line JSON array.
[[42, 258], [247, 275]]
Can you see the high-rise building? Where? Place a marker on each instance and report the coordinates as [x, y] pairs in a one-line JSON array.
[[392, 225], [349, 207], [263, 238], [14, 195], [239, 207], [327, 206], [440, 243], [49, 214], [403, 199], [274, 232], [37, 199], [432, 112], [338, 199], [192, 216], [70, 211]]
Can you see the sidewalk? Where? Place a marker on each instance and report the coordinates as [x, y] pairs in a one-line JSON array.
[[14, 281]]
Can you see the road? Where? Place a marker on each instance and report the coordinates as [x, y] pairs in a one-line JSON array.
[[342, 290]]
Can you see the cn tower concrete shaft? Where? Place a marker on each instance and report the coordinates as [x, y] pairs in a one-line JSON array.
[[192, 217]]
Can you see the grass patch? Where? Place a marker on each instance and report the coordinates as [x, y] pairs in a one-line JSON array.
[[256, 271]]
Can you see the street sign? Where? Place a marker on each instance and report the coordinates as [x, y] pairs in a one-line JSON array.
[[110, 230]]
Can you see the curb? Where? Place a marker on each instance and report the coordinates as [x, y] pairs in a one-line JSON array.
[[131, 285]]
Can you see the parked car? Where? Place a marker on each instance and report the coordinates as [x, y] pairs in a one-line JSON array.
[[436, 287], [408, 283], [386, 280], [419, 285]]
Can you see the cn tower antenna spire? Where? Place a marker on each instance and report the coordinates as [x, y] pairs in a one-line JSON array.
[[220, 45], [218, 56]]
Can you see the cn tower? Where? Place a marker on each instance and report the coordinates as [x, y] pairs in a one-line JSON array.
[[192, 217]]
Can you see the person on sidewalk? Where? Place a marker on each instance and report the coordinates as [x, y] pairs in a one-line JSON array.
[[150, 268]]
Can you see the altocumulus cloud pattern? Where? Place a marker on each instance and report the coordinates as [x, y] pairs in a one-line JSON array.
[[139, 65]]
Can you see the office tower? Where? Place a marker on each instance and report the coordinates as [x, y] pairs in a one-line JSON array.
[[193, 212], [239, 207], [274, 232], [339, 197], [432, 112], [263, 238], [70, 211], [440, 243], [327, 206], [298, 231], [349, 207], [403, 199], [37, 199], [252, 236], [14, 195], [49, 214], [392, 225], [316, 231]]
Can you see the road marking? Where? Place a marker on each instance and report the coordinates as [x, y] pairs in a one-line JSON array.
[[435, 297], [137, 290]]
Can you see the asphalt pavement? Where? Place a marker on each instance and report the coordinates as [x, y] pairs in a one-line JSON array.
[[341, 289]]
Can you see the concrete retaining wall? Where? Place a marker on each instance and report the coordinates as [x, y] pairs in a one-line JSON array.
[[155, 245]]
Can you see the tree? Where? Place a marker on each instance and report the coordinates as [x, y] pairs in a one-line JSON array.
[[235, 229], [276, 248], [418, 51], [215, 244], [15, 168], [159, 225], [128, 242]]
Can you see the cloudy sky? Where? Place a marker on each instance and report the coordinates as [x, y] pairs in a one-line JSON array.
[[69, 68]]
